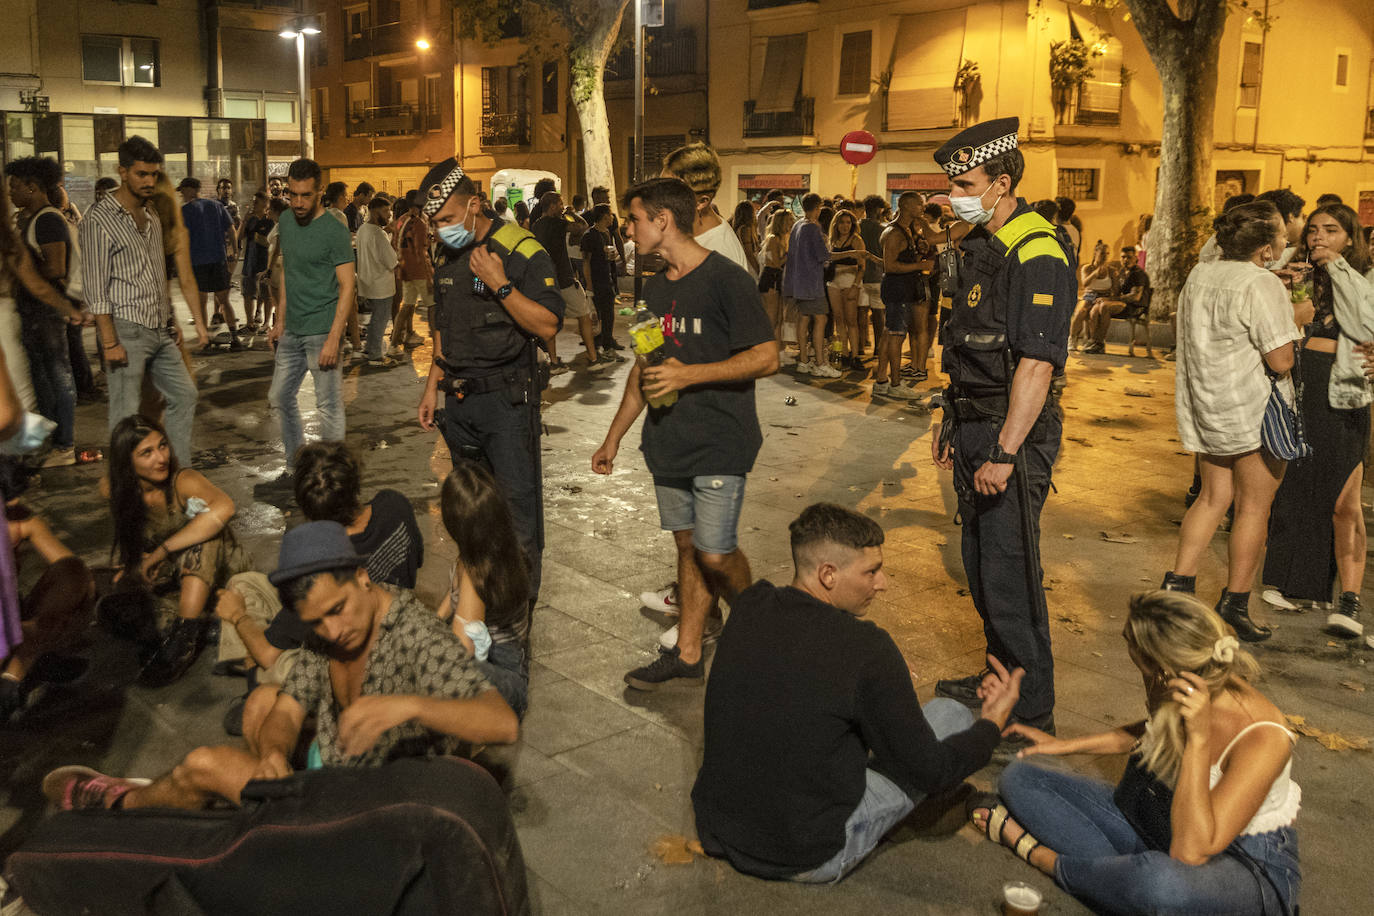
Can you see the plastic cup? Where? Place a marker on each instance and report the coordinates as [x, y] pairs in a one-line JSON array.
[[1020, 899]]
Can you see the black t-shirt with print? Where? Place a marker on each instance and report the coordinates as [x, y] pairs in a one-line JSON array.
[[709, 315]]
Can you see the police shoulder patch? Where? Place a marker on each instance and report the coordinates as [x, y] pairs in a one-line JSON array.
[[1042, 299], [548, 281]]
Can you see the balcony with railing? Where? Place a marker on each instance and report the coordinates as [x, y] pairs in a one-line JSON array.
[[384, 121], [669, 52], [800, 121], [505, 128], [375, 42]]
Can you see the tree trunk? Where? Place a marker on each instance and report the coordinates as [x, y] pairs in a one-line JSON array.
[[587, 66], [1184, 51]]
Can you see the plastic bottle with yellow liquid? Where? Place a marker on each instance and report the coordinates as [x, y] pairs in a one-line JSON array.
[[650, 350]]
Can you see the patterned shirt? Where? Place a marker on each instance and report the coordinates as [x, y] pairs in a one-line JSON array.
[[416, 654], [124, 272]]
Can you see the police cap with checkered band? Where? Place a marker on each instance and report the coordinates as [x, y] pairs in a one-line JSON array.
[[970, 148], [442, 182]]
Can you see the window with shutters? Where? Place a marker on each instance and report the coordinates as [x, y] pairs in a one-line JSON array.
[[1251, 66], [1079, 184], [505, 112], [856, 55]]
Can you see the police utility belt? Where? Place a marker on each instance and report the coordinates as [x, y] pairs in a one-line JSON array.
[[514, 378]]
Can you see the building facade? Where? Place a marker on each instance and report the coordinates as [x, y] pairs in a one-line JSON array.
[[209, 81], [790, 77], [382, 90]]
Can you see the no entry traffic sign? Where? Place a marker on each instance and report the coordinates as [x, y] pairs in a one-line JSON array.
[[858, 147]]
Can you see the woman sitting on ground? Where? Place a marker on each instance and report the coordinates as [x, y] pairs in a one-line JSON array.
[[172, 537], [488, 602], [1236, 326], [1316, 530], [1202, 820]]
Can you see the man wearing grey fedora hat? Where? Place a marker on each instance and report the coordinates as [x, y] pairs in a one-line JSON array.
[[384, 677]]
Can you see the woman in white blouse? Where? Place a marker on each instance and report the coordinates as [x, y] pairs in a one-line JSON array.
[[1236, 325]]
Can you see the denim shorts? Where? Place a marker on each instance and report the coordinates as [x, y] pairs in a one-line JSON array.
[[708, 506]]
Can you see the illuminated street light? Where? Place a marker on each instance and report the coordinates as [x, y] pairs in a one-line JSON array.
[[422, 44], [297, 33]]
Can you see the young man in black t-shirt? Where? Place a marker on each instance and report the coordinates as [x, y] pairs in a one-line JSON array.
[[1131, 303], [717, 340], [804, 786], [598, 272]]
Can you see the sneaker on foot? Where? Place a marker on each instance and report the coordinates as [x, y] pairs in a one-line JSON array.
[[1275, 598], [805, 368], [826, 371], [176, 653], [904, 392], [602, 362], [74, 788], [709, 634], [668, 667], [664, 600], [414, 340], [1344, 621], [396, 352], [881, 389], [60, 458], [963, 689]]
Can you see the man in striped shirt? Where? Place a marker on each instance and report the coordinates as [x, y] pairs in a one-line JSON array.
[[125, 282]]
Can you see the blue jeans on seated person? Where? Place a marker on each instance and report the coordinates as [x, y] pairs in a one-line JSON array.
[[1105, 863], [884, 804], [376, 327]]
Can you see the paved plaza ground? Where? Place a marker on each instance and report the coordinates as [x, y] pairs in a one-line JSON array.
[[601, 772]]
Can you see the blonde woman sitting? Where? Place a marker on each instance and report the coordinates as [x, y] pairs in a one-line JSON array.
[[1203, 818]]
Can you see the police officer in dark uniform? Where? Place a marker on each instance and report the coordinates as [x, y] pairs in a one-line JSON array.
[[495, 298], [1005, 343]]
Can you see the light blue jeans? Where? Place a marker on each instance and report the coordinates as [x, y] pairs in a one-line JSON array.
[[155, 352], [376, 327], [1105, 863], [296, 356], [884, 804]]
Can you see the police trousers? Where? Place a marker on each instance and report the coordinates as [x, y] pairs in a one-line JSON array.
[[507, 436], [995, 552]]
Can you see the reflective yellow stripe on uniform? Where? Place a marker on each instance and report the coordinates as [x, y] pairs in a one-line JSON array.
[[1018, 228], [512, 238]]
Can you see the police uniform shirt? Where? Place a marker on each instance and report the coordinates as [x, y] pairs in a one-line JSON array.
[[1031, 298], [477, 332]]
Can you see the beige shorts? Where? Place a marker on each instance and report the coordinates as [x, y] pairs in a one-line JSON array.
[[872, 297], [576, 302], [261, 603], [415, 292]]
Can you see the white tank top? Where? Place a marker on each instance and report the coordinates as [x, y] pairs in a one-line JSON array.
[[1281, 804]]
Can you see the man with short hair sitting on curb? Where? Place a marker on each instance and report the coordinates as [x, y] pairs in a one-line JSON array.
[[385, 679], [815, 742]]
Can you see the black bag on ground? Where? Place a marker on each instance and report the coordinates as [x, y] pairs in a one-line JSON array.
[[418, 836]]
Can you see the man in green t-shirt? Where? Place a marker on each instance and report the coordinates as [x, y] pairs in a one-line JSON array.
[[317, 287]]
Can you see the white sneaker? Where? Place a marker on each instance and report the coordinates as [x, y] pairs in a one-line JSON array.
[[664, 600], [806, 368], [904, 392], [1274, 598], [881, 389], [826, 370], [708, 635]]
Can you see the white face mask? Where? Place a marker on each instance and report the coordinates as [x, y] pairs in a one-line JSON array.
[[970, 209]]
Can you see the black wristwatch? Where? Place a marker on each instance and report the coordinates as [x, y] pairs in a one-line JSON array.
[[999, 455], [503, 292]]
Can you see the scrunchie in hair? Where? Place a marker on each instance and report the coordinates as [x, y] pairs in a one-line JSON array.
[[1224, 650]]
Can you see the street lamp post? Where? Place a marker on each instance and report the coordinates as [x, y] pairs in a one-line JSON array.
[[298, 33]]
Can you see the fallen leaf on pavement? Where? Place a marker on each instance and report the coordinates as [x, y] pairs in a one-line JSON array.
[[1117, 538], [673, 849], [1332, 741], [1139, 393], [1068, 537], [1080, 440], [1353, 685], [1332, 644], [1071, 624]]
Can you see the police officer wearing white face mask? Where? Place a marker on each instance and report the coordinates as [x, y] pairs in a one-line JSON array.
[[495, 300], [1006, 340]]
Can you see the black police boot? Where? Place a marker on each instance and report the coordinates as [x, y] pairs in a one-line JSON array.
[[963, 689], [1176, 583], [1345, 620], [175, 655], [1234, 608]]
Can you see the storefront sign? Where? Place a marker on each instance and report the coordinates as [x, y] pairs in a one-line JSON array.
[[783, 182], [917, 181]]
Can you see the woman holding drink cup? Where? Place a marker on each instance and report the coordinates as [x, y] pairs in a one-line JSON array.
[[1316, 528], [1202, 820]]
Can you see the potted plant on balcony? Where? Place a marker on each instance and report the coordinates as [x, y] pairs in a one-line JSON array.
[[968, 83], [1070, 65]]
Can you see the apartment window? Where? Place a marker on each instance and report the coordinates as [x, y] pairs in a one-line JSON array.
[[856, 53], [780, 77], [388, 11], [1343, 69], [281, 112], [434, 101], [548, 85], [656, 149], [320, 111], [357, 99], [505, 113], [319, 44], [1251, 63], [925, 58], [117, 61], [1079, 184], [241, 108]]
